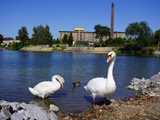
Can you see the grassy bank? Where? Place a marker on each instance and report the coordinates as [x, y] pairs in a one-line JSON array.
[[37, 48]]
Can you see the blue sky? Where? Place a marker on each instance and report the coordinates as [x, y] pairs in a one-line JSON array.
[[67, 14]]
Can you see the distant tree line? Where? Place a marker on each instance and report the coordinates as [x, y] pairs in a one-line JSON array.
[[137, 34], [41, 36]]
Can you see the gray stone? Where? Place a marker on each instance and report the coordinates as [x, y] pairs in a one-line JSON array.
[[53, 108], [144, 86], [23, 111]]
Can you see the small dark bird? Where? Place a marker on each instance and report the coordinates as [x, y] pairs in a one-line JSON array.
[[76, 83]]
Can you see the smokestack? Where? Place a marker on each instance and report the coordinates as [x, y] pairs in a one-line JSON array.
[[112, 20]]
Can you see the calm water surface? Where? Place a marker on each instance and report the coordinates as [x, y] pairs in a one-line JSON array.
[[19, 70]]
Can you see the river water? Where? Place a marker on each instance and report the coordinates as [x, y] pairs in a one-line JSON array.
[[19, 70]]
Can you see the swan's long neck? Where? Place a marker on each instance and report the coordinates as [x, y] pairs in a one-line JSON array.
[[110, 70]]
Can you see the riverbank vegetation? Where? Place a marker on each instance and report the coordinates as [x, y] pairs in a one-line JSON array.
[[139, 39], [1, 38]]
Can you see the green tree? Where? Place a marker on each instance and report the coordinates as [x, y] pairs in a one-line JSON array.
[[138, 30], [56, 41], [70, 40], [15, 46], [48, 35], [157, 38], [101, 32], [65, 39], [132, 31], [23, 35], [42, 35], [1, 38], [146, 31], [116, 42]]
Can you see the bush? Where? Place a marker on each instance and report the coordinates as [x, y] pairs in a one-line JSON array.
[[56, 41], [111, 42], [116, 42], [15, 46], [134, 49], [81, 43], [59, 47]]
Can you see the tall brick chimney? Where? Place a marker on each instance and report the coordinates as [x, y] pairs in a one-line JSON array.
[[112, 20]]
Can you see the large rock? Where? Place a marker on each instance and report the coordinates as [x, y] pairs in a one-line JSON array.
[[144, 86], [23, 111]]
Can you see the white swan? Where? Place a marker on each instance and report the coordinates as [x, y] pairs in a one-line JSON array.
[[45, 88], [103, 86]]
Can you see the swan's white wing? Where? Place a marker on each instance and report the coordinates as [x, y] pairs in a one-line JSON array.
[[96, 85], [47, 87]]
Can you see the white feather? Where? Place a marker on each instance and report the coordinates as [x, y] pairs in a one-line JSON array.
[[103, 87], [45, 88]]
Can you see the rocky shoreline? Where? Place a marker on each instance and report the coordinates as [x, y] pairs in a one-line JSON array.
[[144, 106], [150, 87], [23, 111]]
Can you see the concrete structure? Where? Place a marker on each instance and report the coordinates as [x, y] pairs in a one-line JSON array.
[[119, 35], [9, 41], [79, 33], [112, 20]]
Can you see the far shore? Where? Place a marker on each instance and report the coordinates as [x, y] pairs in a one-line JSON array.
[[146, 51], [96, 50], [69, 49]]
